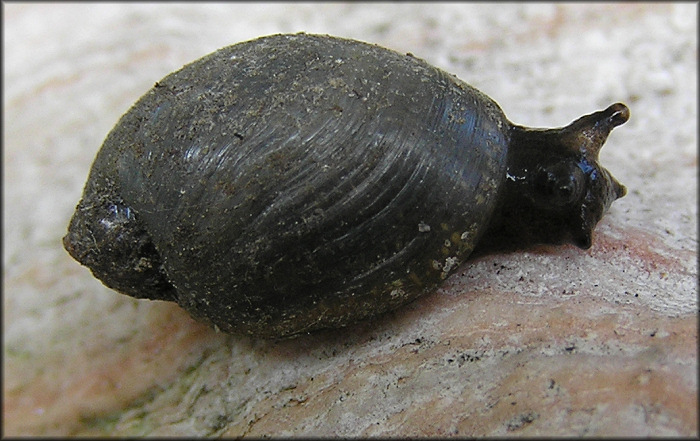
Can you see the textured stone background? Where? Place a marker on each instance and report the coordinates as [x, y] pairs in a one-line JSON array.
[[551, 341]]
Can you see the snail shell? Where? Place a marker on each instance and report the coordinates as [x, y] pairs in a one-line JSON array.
[[298, 182]]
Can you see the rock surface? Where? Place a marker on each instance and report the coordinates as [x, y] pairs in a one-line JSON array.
[[548, 341]]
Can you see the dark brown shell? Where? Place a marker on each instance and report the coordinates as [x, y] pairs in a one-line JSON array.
[[294, 182]]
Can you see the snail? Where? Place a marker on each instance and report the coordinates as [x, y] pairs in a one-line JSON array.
[[297, 182]]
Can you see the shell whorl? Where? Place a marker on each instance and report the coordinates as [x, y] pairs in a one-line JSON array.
[[288, 170]]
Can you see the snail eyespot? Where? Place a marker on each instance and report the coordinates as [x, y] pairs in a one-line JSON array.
[[560, 185]]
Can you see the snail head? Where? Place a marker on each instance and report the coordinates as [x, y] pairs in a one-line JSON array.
[[556, 190]]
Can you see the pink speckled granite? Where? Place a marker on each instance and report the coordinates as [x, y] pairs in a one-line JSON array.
[[549, 341]]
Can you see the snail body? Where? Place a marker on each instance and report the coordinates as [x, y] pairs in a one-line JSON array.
[[298, 182]]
